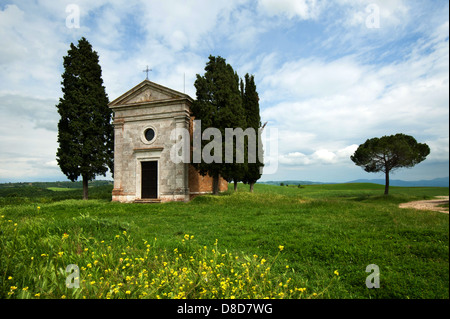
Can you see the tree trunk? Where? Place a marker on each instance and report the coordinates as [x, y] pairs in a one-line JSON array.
[[85, 188], [386, 184], [235, 185], [251, 187], [216, 185]]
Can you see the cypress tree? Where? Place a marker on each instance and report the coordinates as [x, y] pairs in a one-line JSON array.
[[253, 119], [218, 105], [85, 132]]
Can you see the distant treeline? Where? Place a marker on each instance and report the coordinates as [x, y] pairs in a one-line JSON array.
[[66, 184], [45, 192]]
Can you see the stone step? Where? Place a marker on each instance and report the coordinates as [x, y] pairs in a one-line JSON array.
[[147, 200]]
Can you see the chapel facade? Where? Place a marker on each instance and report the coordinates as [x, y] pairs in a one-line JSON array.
[[144, 118]]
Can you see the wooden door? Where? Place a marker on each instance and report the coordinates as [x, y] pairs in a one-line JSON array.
[[149, 179]]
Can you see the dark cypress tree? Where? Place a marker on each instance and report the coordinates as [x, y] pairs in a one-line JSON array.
[[235, 171], [218, 105], [253, 119], [85, 132]]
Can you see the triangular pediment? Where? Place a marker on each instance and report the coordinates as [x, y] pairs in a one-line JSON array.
[[147, 92]]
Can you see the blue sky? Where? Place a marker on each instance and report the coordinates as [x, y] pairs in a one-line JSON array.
[[329, 77]]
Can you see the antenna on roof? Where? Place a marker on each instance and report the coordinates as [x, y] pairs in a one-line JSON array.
[[262, 128]]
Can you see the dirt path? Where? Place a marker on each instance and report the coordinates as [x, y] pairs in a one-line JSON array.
[[428, 204]]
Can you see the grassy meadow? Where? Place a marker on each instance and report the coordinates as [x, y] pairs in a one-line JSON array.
[[279, 242]]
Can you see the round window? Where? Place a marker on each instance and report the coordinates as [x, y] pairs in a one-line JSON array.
[[149, 134]]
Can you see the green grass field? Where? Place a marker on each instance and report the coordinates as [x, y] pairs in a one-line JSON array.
[[280, 242]]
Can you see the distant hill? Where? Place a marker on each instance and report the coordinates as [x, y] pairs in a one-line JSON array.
[[292, 182], [437, 182]]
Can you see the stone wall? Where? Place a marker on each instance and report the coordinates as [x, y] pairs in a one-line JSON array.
[[199, 184]]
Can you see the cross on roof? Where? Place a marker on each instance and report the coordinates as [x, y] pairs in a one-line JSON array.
[[146, 70]]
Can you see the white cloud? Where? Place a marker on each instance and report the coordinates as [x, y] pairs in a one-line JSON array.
[[26, 150], [303, 9], [32, 51], [312, 78], [14, 50], [35, 111], [439, 149], [319, 157], [324, 156], [295, 158], [190, 22]]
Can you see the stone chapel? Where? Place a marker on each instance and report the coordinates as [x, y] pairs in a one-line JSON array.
[[143, 170]]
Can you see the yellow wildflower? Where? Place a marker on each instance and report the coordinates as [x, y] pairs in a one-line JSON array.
[[281, 248], [336, 273]]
